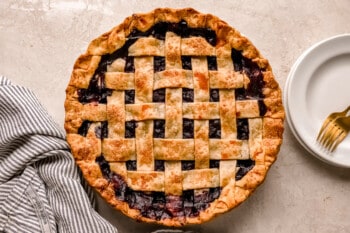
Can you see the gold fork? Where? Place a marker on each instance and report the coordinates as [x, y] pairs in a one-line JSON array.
[[328, 120], [335, 133]]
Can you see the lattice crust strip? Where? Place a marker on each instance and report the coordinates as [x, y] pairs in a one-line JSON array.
[[173, 116]]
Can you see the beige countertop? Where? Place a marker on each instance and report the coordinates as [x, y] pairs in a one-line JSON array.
[[40, 40]]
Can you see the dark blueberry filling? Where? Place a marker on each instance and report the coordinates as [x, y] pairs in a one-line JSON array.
[[188, 200], [237, 59], [131, 165], [165, 214], [156, 205], [159, 165], [188, 128], [84, 128], [130, 127], [119, 184], [174, 206], [187, 165], [240, 94], [129, 96], [129, 65], [159, 96], [104, 129], [187, 95], [159, 129], [214, 163], [212, 63], [254, 89], [242, 129], [104, 166], [159, 30], [186, 62], [206, 33], [201, 201], [96, 91], [214, 193], [158, 63], [214, 95], [244, 167], [122, 53], [253, 71], [262, 107], [256, 84], [101, 131], [140, 201], [195, 203], [214, 128]]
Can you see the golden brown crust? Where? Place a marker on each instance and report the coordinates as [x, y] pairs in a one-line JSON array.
[[265, 133]]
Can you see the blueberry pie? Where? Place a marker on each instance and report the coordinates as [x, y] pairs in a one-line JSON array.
[[173, 116]]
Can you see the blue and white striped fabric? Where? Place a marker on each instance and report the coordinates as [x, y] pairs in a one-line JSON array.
[[41, 189]]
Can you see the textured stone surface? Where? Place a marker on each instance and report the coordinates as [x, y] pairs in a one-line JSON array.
[[40, 40]]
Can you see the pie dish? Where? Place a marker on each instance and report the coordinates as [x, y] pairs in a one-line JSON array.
[[173, 116]]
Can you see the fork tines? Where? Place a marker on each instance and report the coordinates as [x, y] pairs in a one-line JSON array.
[[334, 130]]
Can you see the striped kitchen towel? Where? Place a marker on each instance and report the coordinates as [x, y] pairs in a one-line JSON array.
[[41, 189]]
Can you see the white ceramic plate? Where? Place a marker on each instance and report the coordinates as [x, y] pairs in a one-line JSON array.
[[318, 84]]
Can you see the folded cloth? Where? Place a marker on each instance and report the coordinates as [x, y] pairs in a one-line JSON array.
[[41, 189]]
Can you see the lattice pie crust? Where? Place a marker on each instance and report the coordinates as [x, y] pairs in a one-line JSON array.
[[173, 116]]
